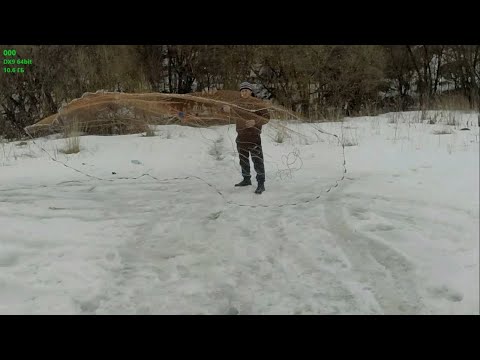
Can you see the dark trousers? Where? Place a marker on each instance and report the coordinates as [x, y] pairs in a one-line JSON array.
[[255, 149]]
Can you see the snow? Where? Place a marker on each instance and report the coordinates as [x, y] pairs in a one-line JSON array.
[[399, 235]]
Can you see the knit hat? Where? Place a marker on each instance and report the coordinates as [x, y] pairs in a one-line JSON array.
[[246, 85]]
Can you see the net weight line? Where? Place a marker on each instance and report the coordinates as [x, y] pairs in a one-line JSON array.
[[230, 202]]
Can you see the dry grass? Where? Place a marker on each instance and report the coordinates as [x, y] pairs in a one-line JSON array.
[[150, 131], [450, 148], [3, 150], [444, 131], [451, 119], [349, 141], [433, 119], [216, 149], [280, 136], [451, 102], [333, 114], [350, 137], [445, 117], [72, 133], [394, 118]]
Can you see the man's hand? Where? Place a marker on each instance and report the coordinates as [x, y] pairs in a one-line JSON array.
[[250, 123], [226, 108]]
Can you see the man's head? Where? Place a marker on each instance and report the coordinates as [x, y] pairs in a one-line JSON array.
[[246, 89]]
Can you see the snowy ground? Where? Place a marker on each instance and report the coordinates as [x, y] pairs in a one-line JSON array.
[[400, 235]]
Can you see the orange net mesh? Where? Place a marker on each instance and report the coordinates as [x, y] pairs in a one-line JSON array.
[[122, 113]]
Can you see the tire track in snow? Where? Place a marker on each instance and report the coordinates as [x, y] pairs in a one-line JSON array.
[[387, 272], [151, 276]]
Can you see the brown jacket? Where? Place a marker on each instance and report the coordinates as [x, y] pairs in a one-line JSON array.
[[252, 134]]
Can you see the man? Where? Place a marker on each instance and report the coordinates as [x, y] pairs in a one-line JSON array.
[[249, 141]]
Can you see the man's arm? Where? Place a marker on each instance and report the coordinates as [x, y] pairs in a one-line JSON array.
[[265, 117]]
